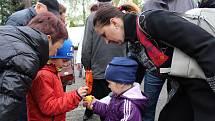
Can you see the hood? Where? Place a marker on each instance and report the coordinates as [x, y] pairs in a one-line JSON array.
[[136, 96], [38, 41]]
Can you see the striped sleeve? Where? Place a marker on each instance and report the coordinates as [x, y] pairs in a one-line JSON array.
[[126, 110]]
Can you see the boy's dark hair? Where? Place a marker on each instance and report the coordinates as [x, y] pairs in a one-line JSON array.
[[49, 24], [103, 16]]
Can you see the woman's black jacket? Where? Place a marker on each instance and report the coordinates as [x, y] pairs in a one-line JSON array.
[[23, 51], [167, 27]]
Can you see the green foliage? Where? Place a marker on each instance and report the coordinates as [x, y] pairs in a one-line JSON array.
[[116, 2], [7, 7], [71, 23], [137, 2]]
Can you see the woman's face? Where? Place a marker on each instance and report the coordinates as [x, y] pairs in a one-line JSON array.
[[53, 47], [112, 33]]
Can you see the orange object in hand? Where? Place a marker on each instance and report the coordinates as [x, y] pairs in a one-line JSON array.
[[89, 80]]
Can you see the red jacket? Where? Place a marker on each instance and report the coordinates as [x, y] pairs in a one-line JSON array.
[[46, 100]]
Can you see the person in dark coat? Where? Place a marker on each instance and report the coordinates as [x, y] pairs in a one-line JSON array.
[[194, 99], [153, 83], [171, 5], [22, 17], [24, 50]]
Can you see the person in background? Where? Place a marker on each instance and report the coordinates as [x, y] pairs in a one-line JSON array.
[[170, 5], [79, 65], [185, 104], [62, 12], [153, 82], [96, 54], [126, 102], [24, 50], [22, 17], [46, 100], [78, 59], [67, 74]]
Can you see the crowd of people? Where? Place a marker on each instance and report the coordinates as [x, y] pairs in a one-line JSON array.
[[122, 47]]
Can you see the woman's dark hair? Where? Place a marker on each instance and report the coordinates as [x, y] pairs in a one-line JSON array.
[[94, 7], [129, 7], [102, 16], [49, 24]]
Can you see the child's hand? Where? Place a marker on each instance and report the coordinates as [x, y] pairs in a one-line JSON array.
[[82, 91], [88, 100]]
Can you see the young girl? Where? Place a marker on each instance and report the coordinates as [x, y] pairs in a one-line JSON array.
[[46, 100], [127, 102]]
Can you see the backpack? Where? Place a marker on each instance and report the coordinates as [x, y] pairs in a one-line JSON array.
[[183, 65]]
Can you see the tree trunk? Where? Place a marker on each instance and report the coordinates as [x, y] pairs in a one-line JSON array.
[[27, 3], [84, 12]]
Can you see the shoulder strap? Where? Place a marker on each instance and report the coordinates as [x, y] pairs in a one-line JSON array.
[[157, 57], [142, 16]]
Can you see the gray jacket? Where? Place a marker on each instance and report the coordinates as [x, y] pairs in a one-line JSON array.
[[96, 54], [171, 5], [22, 17]]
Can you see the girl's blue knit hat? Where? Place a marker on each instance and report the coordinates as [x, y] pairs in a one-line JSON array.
[[121, 70]]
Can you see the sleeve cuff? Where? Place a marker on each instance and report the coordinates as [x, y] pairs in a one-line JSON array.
[[79, 95]]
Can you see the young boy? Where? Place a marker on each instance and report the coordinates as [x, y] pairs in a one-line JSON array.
[[127, 102], [46, 100]]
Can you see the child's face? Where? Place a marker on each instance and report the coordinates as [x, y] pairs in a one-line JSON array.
[[59, 63], [116, 88]]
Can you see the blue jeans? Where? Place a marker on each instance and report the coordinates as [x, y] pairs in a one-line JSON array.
[[152, 88]]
